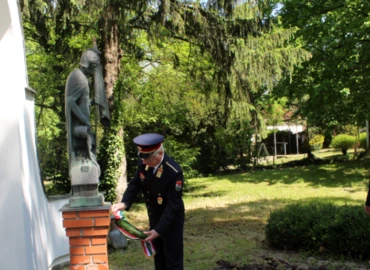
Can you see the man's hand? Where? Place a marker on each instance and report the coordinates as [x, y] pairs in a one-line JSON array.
[[152, 235], [367, 209], [117, 207]]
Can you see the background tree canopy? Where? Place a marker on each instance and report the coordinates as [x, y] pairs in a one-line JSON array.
[[331, 88], [200, 73]]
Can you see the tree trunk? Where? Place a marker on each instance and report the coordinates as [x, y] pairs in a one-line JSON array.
[[122, 179], [112, 64], [112, 53]]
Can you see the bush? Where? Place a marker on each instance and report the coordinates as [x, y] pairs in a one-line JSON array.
[[343, 142], [184, 155], [341, 230], [317, 142], [363, 140]]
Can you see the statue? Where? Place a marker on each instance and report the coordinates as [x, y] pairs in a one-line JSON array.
[[84, 170]]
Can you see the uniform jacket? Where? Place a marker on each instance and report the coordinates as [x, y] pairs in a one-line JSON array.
[[162, 193]]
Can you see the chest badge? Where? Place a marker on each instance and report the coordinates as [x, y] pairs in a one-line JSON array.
[[142, 176], [159, 199], [159, 171], [178, 185]]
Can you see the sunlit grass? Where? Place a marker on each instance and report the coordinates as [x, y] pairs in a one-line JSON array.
[[323, 153], [226, 215]]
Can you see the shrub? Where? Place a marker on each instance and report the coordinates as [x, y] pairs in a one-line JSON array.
[[184, 155], [343, 142], [341, 230], [317, 142], [363, 140]]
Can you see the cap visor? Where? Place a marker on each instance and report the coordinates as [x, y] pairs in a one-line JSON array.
[[144, 155]]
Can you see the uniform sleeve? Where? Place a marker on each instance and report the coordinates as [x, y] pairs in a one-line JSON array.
[[133, 188], [174, 204]]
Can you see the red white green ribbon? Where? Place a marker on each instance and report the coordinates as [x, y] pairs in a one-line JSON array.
[[127, 234], [148, 247]]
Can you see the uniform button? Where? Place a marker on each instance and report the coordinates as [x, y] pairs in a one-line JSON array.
[[150, 214], [147, 200], [148, 192]]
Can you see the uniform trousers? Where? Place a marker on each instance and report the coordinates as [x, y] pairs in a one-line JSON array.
[[170, 250]]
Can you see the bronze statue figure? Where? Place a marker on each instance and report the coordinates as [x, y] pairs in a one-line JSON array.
[[84, 170]]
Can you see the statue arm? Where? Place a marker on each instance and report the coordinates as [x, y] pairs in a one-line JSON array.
[[76, 87], [78, 113]]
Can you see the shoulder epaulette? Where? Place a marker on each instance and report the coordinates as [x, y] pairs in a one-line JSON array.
[[171, 166]]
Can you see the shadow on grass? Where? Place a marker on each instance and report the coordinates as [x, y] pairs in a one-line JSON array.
[[195, 191], [235, 231], [344, 174], [208, 194], [190, 188], [254, 212]]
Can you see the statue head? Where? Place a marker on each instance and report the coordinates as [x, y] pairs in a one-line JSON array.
[[90, 60]]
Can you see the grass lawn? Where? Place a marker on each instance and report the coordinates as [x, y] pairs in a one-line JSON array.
[[226, 215], [328, 153]]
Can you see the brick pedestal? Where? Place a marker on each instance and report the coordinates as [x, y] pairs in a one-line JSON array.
[[87, 229]]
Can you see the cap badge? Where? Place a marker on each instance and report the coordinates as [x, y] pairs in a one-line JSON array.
[[178, 185]]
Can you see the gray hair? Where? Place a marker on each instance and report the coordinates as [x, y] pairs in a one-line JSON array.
[[160, 149]]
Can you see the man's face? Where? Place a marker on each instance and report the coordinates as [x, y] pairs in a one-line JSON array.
[[153, 160]]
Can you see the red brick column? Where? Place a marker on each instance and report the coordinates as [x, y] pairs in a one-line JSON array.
[[87, 229]]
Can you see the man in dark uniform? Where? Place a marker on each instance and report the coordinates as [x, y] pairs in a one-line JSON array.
[[161, 181]]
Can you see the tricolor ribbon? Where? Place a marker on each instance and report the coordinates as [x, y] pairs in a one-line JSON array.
[[148, 247]]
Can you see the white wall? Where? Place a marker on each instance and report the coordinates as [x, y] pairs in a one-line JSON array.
[[31, 232], [284, 127]]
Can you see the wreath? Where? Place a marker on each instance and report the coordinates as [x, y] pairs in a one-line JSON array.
[[131, 232]]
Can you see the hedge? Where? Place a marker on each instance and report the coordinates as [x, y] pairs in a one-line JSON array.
[[342, 230]]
